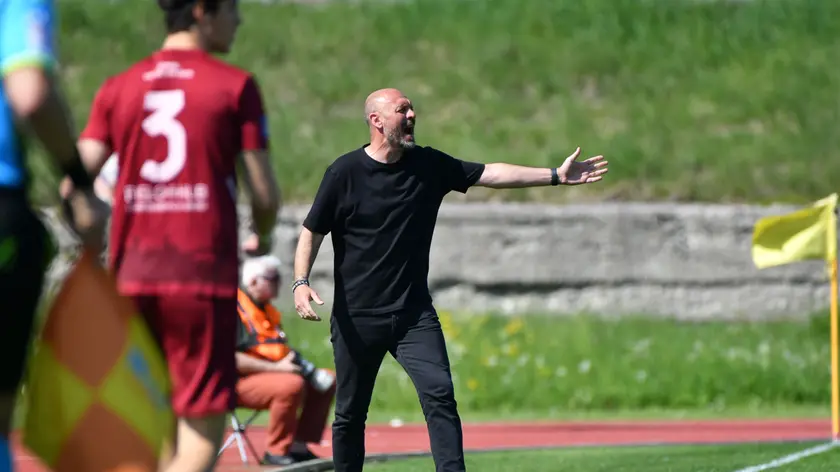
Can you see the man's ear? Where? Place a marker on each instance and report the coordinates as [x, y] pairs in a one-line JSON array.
[[375, 120]]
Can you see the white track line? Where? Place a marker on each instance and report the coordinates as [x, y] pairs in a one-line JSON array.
[[791, 458]]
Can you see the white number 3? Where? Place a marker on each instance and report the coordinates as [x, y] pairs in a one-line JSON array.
[[165, 107]]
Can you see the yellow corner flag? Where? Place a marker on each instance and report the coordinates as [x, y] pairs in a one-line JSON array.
[[98, 389], [810, 233]]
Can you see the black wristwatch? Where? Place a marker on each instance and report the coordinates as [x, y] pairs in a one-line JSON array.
[[555, 179]]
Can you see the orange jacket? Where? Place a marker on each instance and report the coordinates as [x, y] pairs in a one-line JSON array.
[[260, 330]]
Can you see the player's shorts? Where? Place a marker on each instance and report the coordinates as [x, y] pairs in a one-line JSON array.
[[25, 252], [198, 337]]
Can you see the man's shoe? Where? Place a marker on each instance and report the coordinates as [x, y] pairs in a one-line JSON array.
[[271, 459], [303, 456]]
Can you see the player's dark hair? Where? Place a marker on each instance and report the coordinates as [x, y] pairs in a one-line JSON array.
[[179, 16]]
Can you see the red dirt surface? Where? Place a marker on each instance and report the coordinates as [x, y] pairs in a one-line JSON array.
[[414, 438]]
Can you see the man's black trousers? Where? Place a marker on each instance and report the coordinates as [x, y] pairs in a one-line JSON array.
[[415, 339]]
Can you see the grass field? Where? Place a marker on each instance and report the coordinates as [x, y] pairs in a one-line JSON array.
[[634, 459], [583, 363], [630, 368], [712, 101]]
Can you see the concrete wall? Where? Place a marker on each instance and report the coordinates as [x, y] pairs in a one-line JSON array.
[[685, 261]]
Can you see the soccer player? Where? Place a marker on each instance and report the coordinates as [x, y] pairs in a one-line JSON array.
[[178, 121], [29, 95]]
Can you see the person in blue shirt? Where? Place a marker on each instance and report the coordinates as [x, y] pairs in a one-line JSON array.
[[29, 97]]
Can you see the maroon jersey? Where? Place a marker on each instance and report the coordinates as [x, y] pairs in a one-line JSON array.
[[177, 120]]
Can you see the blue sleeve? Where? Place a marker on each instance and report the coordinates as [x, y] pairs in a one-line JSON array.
[[26, 34]]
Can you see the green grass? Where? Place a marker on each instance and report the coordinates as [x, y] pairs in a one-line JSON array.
[[633, 459], [711, 101], [551, 366], [646, 414], [691, 370], [415, 416]]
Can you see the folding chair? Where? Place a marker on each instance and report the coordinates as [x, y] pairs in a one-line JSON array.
[[241, 437]]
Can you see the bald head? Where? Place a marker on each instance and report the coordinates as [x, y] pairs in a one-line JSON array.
[[389, 115], [379, 100]]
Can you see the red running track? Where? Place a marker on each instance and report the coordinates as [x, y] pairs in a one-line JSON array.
[[414, 438]]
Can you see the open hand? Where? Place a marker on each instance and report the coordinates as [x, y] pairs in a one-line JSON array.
[[574, 172], [304, 294]]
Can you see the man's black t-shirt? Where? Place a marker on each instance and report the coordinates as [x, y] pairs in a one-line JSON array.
[[382, 218]]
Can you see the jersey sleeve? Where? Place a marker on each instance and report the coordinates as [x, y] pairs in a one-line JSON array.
[[324, 211], [97, 125], [458, 175], [26, 34], [252, 119]]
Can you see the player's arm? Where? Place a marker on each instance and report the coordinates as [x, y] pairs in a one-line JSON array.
[[27, 64], [261, 188], [257, 174], [94, 143]]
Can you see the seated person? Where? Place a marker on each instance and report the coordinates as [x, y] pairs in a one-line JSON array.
[[272, 374]]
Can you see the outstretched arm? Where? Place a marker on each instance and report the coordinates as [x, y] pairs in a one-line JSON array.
[[571, 172], [501, 175]]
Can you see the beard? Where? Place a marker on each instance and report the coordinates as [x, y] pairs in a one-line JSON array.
[[402, 137]]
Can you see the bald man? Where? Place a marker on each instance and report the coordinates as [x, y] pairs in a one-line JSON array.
[[380, 202]]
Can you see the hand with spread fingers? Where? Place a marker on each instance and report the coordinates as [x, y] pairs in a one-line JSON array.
[[574, 172], [304, 295]]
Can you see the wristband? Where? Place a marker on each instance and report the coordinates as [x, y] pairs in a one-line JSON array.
[[298, 283], [555, 179], [78, 174]]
